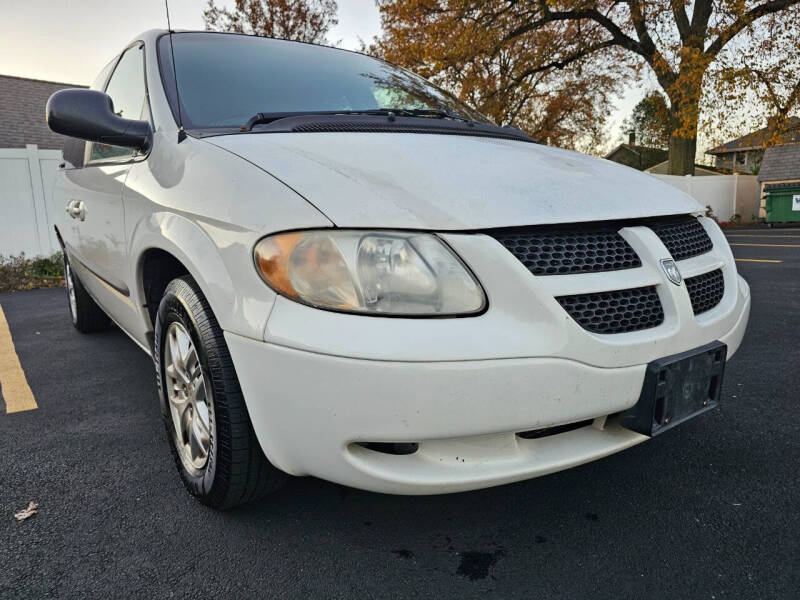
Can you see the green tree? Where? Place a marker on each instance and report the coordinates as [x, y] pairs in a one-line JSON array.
[[650, 121]]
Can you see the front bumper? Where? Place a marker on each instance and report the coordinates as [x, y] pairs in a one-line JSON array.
[[310, 408]]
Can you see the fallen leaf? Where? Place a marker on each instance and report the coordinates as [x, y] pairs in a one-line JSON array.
[[27, 513]]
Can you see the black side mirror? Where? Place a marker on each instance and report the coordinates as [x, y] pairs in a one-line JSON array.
[[89, 115]]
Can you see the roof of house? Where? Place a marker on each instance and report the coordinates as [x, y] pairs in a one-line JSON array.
[[639, 157], [757, 140], [780, 163], [22, 103]]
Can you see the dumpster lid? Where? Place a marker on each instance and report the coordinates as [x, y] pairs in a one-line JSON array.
[[774, 187]]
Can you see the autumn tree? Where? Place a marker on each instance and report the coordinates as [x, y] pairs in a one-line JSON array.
[[513, 52], [300, 20], [650, 121], [518, 81]]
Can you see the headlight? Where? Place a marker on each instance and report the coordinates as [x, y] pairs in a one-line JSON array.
[[376, 272]]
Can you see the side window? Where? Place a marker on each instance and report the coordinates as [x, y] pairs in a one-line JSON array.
[[127, 91]]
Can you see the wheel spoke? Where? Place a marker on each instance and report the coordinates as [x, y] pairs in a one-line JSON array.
[[199, 437], [172, 347], [192, 365], [186, 423], [177, 354], [197, 390], [203, 417]]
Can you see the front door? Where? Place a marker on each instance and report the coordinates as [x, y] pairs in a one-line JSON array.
[[94, 199]]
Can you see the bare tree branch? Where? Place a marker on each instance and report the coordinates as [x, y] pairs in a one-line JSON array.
[[564, 62], [783, 107], [681, 19], [619, 37], [649, 50], [700, 16], [746, 20]]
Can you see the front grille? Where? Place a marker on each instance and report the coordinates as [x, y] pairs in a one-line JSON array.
[[706, 290], [561, 252], [619, 311], [684, 237]]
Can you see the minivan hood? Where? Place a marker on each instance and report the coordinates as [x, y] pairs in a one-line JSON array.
[[450, 182]]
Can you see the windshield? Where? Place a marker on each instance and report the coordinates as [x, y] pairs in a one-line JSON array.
[[225, 79]]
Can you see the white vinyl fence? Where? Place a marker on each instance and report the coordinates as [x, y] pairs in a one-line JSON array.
[[727, 195], [26, 209]]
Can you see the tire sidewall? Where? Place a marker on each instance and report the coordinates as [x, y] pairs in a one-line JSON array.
[[174, 308]]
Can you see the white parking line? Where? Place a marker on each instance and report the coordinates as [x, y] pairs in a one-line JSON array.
[[766, 245], [776, 230], [753, 235]]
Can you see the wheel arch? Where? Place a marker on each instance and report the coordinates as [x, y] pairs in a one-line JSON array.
[[157, 268], [168, 246]]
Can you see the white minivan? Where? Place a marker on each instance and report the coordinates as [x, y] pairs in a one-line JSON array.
[[342, 271]]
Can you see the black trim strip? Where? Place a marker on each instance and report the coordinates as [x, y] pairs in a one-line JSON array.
[[120, 287]]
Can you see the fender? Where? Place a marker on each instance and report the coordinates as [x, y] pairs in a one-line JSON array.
[[208, 213], [240, 300]]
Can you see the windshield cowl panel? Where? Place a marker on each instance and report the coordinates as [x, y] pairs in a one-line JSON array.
[[223, 80], [380, 124], [369, 124]]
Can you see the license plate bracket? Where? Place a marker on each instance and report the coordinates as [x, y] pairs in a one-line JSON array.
[[677, 388]]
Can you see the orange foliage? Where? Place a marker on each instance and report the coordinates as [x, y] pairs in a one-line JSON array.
[[552, 66]]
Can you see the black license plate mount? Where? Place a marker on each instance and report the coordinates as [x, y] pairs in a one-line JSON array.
[[677, 388]]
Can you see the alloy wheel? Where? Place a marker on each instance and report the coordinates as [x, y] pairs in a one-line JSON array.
[[190, 406]]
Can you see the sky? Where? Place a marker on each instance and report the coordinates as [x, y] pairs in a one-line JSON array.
[[71, 40]]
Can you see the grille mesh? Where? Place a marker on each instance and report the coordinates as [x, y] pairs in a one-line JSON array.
[[683, 238], [558, 252], [706, 290], [619, 311]]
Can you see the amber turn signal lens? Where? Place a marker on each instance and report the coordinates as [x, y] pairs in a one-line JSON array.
[[371, 272], [272, 258]]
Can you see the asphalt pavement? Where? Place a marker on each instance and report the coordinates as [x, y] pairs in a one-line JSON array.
[[707, 510]]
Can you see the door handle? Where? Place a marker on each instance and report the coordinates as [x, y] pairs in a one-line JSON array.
[[76, 209]]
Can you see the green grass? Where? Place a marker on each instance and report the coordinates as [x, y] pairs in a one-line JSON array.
[[23, 273]]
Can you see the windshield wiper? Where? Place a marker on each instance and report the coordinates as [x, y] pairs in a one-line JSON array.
[[410, 112], [263, 118], [431, 113]]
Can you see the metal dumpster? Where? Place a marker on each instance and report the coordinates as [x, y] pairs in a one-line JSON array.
[[782, 204]]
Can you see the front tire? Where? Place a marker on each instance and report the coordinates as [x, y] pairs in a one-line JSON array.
[[86, 315], [212, 440]]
